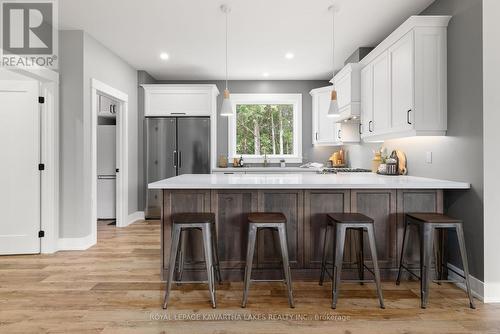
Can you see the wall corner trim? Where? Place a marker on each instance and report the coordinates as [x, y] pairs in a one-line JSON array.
[[83, 243], [135, 216]]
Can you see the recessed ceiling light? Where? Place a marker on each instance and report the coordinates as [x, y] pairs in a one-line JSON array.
[[265, 74], [164, 56], [289, 55]]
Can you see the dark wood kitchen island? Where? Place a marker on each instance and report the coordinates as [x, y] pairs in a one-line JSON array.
[[305, 199]]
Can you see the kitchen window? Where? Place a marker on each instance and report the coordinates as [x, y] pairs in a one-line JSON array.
[[266, 124]]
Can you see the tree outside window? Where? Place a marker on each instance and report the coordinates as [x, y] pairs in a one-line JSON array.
[[264, 129]]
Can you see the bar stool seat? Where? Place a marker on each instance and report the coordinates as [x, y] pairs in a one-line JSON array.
[[266, 217], [275, 221], [433, 218], [428, 224], [181, 223], [346, 218], [194, 218], [340, 223]]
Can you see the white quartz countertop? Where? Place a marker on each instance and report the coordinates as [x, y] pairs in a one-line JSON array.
[[266, 169], [303, 181]]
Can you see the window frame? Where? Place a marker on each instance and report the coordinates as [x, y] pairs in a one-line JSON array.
[[293, 99]]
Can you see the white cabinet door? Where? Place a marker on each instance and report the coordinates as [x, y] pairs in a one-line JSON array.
[[323, 126], [106, 105], [402, 83], [381, 94], [366, 100], [178, 103], [349, 132]]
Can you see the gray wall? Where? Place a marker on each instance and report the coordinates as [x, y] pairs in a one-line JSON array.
[[459, 155], [83, 58], [71, 135]]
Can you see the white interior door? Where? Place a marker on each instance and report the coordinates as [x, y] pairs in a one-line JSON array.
[[19, 175]]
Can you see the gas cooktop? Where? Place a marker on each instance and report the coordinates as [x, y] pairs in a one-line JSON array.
[[344, 170]]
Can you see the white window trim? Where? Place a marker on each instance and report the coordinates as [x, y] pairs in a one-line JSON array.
[[295, 99]]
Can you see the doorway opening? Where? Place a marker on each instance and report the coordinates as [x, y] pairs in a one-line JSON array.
[[106, 160], [109, 179]]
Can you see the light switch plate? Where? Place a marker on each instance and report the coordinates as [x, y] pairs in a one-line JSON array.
[[428, 157]]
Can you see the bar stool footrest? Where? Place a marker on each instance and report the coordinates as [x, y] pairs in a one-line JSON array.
[[268, 280], [190, 282]]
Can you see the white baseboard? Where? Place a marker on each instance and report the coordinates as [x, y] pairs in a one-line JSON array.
[[476, 285], [76, 243], [133, 217]]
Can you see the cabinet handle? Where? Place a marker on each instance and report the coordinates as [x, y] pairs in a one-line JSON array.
[[339, 134], [316, 136], [177, 113], [370, 126], [175, 159], [360, 128], [408, 118]]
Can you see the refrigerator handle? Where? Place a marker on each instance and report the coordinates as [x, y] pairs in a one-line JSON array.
[[175, 159]]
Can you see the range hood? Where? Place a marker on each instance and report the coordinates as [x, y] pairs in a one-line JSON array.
[[347, 82]]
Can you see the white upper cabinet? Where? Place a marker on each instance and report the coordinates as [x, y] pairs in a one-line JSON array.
[[180, 100], [347, 83], [403, 82], [325, 129]]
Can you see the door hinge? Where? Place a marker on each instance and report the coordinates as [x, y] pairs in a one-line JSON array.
[[41, 99], [41, 166], [41, 234]]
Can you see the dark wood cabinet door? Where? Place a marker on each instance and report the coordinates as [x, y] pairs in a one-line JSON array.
[[291, 204], [231, 208], [415, 201], [317, 204], [380, 205]]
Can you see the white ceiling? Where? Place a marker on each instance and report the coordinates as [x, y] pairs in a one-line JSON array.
[[261, 32]]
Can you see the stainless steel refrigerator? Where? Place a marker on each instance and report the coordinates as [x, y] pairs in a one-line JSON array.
[[174, 146]]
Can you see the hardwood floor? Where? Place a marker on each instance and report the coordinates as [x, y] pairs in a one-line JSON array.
[[115, 287]]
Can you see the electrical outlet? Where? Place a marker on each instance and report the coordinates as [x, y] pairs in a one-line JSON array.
[[428, 157]]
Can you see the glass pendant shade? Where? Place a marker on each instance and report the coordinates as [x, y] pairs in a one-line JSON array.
[[227, 108], [333, 111]]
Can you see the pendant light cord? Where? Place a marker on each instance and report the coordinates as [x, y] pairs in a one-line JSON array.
[[227, 18], [333, 40]]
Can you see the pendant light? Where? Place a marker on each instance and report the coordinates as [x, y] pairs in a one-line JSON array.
[[333, 111], [227, 108]]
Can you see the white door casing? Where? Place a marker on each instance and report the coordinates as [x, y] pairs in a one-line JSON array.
[[19, 175], [100, 88]]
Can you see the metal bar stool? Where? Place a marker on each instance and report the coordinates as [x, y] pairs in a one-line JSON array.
[[277, 223], [205, 222], [427, 224], [340, 223]]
